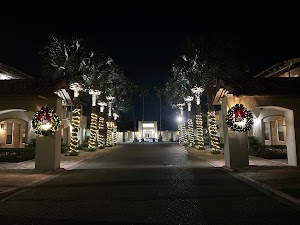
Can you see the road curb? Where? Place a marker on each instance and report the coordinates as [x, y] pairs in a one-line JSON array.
[[263, 186], [283, 197]]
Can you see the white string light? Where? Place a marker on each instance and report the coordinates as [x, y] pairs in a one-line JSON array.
[[75, 129], [93, 135], [214, 141], [189, 100], [199, 124]]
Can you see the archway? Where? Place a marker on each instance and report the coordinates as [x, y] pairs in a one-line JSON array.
[[236, 143], [275, 125], [21, 98]]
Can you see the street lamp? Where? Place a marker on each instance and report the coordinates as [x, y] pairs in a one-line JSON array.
[[181, 125], [179, 119]]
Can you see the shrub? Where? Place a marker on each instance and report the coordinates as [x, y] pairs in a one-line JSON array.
[[273, 152], [31, 143], [160, 138], [16, 154], [64, 148], [254, 145], [84, 144], [73, 153], [256, 148], [86, 149]]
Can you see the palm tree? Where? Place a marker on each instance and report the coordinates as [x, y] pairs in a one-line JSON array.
[[175, 90], [143, 91], [204, 62], [98, 67], [132, 88], [159, 91], [66, 59]]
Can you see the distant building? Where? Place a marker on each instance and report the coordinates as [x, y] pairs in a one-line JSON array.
[[149, 131]]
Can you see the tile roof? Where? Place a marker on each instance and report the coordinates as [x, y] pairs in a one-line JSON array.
[[279, 68], [31, 87], [16, 74], [263, 86]]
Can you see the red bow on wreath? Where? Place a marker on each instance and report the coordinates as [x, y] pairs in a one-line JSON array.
[[239, 113], [44, 112]]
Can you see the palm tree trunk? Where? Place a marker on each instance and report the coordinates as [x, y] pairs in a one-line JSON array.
[[142, 136], [212, 127], [109, 132], [101, 126], [159, 115], [114, 132], [134, 121], [191, 129], [93, 128], [76, 116], [199, 127]]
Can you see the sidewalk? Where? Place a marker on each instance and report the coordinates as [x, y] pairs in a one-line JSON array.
[[272, 176]]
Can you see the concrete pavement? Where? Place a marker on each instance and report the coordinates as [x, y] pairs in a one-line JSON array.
[[271, 176], [274, 177]]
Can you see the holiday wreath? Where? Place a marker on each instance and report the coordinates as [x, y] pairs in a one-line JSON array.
[[45, 121], [239, 118]]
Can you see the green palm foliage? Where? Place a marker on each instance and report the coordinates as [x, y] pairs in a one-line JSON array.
[[66, 59], [176, 88], [206, 60]]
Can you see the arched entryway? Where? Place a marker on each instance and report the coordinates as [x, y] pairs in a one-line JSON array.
[[275, 125], [276, 111], [20, 99], [15, 128]]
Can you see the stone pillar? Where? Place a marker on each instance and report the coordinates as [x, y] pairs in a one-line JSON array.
[[48, 148], [235, 143], [290, 139]]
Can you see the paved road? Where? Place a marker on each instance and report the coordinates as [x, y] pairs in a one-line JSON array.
[[145, 184]]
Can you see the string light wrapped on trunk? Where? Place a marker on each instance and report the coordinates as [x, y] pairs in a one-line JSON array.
[[199, 124], [94, 120], [189, 100], [101, 139]]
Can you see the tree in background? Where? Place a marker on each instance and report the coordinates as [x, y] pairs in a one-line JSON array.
[[132, 89], [175, 90], [159, 91], [143, 91]]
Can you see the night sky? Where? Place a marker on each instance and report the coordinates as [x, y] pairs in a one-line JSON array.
[[143, 40]]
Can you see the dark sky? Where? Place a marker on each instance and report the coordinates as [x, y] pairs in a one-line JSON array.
[[143, 39]]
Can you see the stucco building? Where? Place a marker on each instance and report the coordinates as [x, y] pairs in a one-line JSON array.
[[273, 96], [21, 96]]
